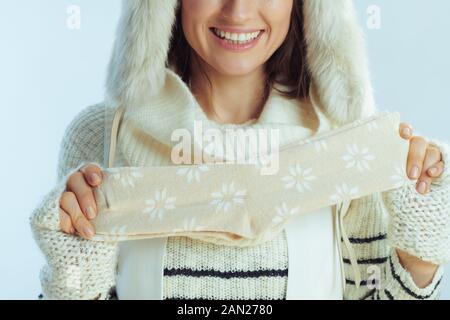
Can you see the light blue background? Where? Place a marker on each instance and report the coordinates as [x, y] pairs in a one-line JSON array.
[[48, 73]]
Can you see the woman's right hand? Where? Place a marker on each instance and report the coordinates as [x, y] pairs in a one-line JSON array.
[[77, 204]]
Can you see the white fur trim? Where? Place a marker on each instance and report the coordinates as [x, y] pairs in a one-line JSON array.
[[136, 69], [337, 59]]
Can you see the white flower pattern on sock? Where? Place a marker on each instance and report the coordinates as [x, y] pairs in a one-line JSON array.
[[299, 178], [283, 212], [359, 158], [192, 173], [127, 179], [344, 192], [228, 196], [158, 205]]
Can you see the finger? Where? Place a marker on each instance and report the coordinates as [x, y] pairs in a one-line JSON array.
[[436, 170], [423, 184], [84, 194], [406, 130], [70, 205], [92, 174], [65, 222], [416, 157], [432, 156]]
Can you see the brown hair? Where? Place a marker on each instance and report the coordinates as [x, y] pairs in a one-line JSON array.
[[286, 67]]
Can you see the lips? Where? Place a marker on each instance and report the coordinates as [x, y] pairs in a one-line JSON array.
[[236, 37], [236, 40]]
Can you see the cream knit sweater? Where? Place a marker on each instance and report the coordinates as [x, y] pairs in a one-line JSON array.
[[81, 269]]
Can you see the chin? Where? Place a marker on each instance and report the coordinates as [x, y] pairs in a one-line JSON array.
[[236, 68]]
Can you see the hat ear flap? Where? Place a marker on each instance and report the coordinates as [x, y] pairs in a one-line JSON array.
[[337, 59], [136, 69]]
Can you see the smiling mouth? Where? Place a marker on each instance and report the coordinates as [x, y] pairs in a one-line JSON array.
[[237, 38]]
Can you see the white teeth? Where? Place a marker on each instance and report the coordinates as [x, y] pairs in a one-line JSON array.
[[236, 37]]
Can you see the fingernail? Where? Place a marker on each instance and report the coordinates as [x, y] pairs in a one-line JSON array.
[[422, 187], [406, 131], [414, 173], [90, 212], [94, 178], [88, 231], [433, 171]]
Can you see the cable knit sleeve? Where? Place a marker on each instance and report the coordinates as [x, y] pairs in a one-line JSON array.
[[382, 275], [420, 224], [75, 268]]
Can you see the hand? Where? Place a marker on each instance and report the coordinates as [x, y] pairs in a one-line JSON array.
[[424, 162], [77, 203]]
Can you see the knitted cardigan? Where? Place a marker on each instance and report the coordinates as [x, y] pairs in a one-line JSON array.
[[80, 269]]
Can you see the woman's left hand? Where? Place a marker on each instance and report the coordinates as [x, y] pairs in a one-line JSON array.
[[424, 162]]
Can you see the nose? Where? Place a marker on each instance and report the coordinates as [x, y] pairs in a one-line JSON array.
[[239, 11]]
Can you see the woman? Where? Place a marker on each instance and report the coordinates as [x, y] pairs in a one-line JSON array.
[[233, 64]]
